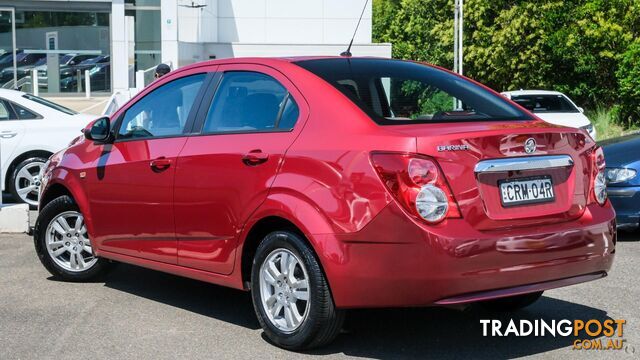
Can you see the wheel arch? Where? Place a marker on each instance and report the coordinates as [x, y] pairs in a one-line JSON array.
[[64, 183], [282, 212]]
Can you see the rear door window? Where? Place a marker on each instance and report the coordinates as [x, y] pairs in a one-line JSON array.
[[248, 101]]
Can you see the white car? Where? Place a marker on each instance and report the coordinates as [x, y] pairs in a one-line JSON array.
[[553, 107], [31, 129]]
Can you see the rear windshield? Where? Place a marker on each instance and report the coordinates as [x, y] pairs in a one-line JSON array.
[[396, 92], [545, 103], [50, 104]]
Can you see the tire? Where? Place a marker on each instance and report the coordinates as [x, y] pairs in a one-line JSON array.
[[513, 303], [72, 246], [321, 321], [20, 180]]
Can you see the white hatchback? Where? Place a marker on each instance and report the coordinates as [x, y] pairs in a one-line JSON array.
[[31, 129], [553, 107]]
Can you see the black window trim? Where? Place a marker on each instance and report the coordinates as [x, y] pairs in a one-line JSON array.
[[13, 106], [191, 118], [10, 110], [205, 105]]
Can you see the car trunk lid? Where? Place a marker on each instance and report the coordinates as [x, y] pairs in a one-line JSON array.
[[478, 157]]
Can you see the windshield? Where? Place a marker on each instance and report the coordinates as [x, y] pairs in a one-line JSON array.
[[545, 103], [50, 104], [401, 92]]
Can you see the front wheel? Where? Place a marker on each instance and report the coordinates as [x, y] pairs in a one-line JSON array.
[[291, 296], [62, 243]]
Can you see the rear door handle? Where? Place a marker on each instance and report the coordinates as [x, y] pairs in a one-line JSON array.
[[160, 164], [255, 157], [7, 134]]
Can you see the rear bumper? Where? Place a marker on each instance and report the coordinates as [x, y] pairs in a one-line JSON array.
[[626, 201], [396, 262]]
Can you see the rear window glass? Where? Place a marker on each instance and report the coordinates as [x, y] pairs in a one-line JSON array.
[[50, 104], [401, 92], [545, 103]]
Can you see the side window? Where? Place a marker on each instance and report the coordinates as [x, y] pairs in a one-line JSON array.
[[5, 111], [248, 102], [24, 114], [162, 112]]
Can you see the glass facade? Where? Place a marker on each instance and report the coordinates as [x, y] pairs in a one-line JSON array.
[[60, 47]]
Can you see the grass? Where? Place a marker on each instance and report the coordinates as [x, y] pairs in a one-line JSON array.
[[607, 124]]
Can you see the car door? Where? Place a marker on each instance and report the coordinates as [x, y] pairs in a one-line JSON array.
[[224, 173], [11, 133], [131, 188]]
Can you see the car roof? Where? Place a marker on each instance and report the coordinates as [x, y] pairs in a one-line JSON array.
[[268, 60], [531, 92], [11, 94]]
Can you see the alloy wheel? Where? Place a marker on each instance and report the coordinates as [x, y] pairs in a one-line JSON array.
[[27, 182], [284, 290], [68, 243]]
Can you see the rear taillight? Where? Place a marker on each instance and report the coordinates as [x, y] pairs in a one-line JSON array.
[[418, 184], [599, 176]]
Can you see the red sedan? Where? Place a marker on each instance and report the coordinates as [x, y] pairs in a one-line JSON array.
[[323, 184]]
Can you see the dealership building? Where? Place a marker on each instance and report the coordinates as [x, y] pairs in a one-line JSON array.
[[62, 41]]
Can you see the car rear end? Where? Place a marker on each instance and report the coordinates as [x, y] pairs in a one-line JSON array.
[[488, 202]]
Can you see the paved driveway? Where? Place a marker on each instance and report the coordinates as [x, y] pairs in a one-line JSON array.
[[142, 314]]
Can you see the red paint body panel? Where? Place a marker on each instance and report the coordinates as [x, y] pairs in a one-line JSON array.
[[193, 219]]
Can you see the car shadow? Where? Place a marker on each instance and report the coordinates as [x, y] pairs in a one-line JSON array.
[[447, 333], [226, 304], [379, 333]]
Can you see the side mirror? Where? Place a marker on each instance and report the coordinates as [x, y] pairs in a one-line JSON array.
[[98, 130], [581, 110]]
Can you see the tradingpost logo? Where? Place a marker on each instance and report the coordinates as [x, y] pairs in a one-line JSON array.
[[589, 335]]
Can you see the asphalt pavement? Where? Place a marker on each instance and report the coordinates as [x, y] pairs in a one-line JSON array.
[[142, 314]]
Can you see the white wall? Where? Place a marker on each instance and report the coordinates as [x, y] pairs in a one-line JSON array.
[[283, 50], [275, 21]]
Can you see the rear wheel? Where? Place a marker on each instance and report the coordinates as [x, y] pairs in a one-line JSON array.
[[290, 294], [62, 242], [24, 184], [511, 303]]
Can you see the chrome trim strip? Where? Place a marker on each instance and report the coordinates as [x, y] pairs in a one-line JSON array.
[[523, 163], [622, 191]]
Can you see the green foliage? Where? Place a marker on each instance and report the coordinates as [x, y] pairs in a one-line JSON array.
[[607, 123], [585, 48]]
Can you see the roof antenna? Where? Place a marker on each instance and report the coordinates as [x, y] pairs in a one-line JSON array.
[[348, 52]]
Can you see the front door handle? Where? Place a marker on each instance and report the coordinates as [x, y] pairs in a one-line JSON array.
[[160, 164], [255, 157]]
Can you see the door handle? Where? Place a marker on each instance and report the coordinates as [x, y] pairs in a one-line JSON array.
[[7, 134], [160, 164], [255, 157]]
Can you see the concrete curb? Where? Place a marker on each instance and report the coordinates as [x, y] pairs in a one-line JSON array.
[[14, 218]]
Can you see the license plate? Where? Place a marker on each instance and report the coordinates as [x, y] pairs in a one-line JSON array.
[[526, 191]]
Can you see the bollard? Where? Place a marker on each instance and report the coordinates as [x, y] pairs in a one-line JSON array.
[[79, 80], [87, 84], [139, 80], [34, 82]]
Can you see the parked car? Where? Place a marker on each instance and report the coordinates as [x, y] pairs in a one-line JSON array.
[[31, 129], [99, 75], [325, 184], [22, 71], [623, 165], [6, 58], [25, 62], [68, 67], [553, 107]]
